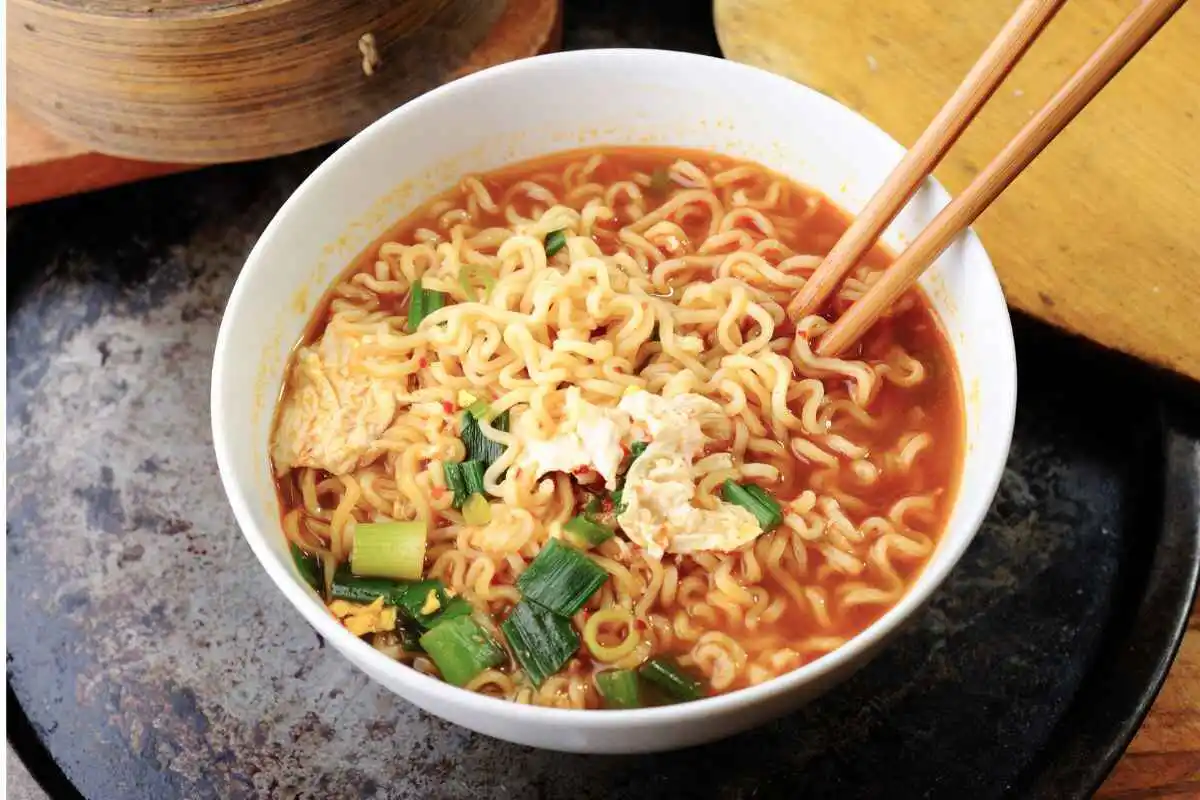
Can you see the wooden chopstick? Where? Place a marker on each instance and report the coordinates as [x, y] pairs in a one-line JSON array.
[[1116, 51], [993, 66]]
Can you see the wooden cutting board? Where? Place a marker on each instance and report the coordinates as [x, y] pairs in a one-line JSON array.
[[42, 165], [1101, 235]]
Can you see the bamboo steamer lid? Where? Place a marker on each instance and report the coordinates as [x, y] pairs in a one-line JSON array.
[[203, 81]]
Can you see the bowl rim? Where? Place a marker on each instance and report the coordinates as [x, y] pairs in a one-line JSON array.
[[932, 575]]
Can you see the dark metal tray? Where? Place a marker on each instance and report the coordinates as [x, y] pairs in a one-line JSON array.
[[150, 657]]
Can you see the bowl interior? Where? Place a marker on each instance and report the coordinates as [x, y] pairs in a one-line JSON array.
[[519, 111]]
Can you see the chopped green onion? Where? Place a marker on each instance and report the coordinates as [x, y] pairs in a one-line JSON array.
[[461, 649], [416, 305], [477, 510], [422, 303], [308, 565], [455, 482], [541, 640], [480, 410], [472, 472], [348, 586], [585, 533], [635, 452], [618, 501], [660, 181], [457, 607], [479, 447], [555, 241], [754, 499], [664, 673], [619, 688], [561, 578], [415, 601], [389, 550], [426, 610], [603, 509]]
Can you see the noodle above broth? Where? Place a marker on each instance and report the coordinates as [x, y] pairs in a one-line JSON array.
[[599, 345]]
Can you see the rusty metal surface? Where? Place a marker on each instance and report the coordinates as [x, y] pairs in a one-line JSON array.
[[154, 658]]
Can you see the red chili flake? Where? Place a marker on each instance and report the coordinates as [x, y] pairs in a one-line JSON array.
[[424, 362], [448, 407], [606, 505], [438, 491], [582, 470]]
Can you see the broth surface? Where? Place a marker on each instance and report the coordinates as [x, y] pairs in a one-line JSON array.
[[862, 453]]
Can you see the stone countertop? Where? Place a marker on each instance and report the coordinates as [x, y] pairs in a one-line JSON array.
[[154, 658]]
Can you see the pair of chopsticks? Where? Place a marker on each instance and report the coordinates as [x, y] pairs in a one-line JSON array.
[[994, 65]]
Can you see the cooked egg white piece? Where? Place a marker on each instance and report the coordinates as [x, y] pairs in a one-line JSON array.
[[331, 416], [589, 437], [680, 417], [660, 487]]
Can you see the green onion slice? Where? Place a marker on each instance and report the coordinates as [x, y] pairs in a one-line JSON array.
[[415, 600], [541, 640], [586, 533], [308, 565], [481, 410], [756, 500], [422, 303], [472, 472], [635, 452], [479, 447], [667, 675], [561, 578], [461, 649], [555, 241], [477, 510], [348, 586], [389, 550], [411, 598], [619, 688], [456, 483]]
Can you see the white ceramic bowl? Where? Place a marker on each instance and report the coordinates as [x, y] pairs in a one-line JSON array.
[[530, 108]]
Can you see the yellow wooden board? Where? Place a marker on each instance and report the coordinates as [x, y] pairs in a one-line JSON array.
[[1101, 235]]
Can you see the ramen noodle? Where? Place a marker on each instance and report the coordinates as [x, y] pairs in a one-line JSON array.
[[554, 439]]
